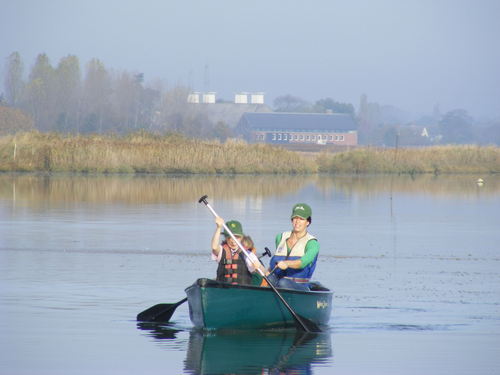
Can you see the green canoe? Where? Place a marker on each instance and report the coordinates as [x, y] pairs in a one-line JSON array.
[[219, 305]]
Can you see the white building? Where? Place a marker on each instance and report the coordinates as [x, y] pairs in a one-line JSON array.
[[257, 98], [194, 98], [241, 98], [209, 97]]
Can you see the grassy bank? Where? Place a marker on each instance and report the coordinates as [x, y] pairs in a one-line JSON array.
[[436, 160], [143, 153], [138, 153]]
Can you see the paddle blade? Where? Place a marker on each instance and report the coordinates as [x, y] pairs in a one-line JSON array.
[[150, 314], [307, 325], [161, 312], [302, 323]]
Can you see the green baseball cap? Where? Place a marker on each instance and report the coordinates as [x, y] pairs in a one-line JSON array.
[[301, 210], [235, 227]]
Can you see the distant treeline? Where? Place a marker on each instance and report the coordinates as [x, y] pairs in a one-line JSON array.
[[98, 100], [58, 99], [386, 125], [147, 153]]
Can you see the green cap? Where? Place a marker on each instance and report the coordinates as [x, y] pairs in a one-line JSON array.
[[301, 210], [235, 227]]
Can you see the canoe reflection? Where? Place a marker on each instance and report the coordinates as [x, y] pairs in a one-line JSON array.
[[250, 352]]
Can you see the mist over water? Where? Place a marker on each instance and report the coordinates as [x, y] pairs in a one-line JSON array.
[[413, 262]]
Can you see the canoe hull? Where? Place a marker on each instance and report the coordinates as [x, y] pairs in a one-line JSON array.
[[217, 305]]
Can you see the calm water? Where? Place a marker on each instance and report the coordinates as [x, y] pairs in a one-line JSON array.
[[414, 263]]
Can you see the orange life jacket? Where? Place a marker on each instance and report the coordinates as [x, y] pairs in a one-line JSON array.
[[232, 268]]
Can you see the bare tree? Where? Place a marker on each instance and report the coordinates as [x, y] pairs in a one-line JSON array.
[[96, 96], [179, 116], [68, 93], [290, 103], [125, 100], [14, 83], [40, 93]]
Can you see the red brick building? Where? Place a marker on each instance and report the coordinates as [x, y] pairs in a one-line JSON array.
[[299, 128]]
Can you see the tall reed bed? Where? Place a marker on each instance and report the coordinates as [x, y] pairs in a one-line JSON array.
[[437, 159], [146, 153]]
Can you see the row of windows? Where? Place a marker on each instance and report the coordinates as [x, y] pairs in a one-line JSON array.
[[301, 137]]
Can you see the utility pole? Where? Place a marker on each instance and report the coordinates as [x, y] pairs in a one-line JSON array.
[[206, 79]]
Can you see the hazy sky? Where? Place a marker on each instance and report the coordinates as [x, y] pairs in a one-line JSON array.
[[411, 54]]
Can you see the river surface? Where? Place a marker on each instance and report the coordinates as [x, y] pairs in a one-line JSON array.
[[414, 264]]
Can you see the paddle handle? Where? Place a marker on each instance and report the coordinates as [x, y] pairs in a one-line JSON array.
[[204, 200], [250, 256], [266, 252]]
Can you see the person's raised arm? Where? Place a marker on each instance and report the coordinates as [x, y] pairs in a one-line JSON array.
[[219, 224]]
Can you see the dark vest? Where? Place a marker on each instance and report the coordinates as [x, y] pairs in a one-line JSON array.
[[232, 268]]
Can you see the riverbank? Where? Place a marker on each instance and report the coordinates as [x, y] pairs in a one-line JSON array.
[[145, 153], [435, 160]]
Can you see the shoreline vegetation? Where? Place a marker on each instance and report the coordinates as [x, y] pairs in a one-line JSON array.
[[147, 153]]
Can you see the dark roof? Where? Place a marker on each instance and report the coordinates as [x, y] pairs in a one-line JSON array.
[[230, 113], [299, 121]]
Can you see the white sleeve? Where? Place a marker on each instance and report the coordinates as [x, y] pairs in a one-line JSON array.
[[249, 259], [217, 258]]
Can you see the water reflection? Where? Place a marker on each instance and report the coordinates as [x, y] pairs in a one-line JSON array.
[[36, 190], [159, 331], [442, 186], [249, 352]]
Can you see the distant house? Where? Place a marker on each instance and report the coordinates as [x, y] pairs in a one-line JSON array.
[[299, 128]]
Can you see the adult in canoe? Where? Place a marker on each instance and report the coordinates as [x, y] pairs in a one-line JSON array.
[[296, 252], [233, 267]]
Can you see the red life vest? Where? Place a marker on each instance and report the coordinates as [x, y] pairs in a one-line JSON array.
[[232, 268]]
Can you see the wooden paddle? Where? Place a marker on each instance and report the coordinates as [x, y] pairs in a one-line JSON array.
[[161, 312], [301, 322]]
